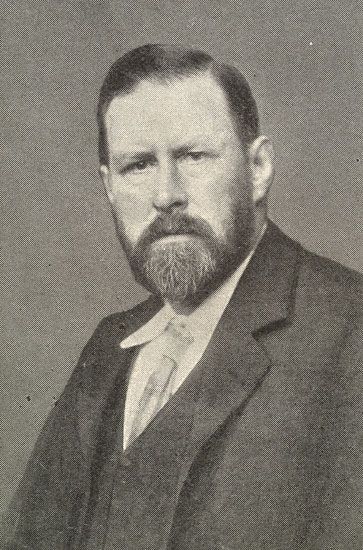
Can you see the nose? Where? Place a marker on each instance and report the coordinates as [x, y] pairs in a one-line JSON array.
[[170, 193]]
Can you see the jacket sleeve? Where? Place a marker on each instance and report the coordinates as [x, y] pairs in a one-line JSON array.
[[44, 512]]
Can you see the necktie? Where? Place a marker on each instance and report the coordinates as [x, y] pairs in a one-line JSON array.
[[169, 349]]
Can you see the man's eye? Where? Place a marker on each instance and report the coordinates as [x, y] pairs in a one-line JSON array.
[[138, 166], [195, 155]]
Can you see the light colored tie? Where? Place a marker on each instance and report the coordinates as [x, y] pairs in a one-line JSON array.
[[171, 346]]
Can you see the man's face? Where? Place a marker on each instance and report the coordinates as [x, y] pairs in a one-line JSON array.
[[178, 183]]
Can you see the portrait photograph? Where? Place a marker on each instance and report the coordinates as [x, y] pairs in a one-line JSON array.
[[182, 267]]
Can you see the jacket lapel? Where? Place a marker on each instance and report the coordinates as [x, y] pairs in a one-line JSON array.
[[235, 364]]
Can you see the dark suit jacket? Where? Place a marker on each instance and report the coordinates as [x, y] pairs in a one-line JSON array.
[[273, 458]]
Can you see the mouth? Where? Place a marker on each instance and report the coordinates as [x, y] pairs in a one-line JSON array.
[[179, 237], [175, 237]]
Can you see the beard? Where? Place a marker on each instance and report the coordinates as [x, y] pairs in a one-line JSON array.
[[185, 271]]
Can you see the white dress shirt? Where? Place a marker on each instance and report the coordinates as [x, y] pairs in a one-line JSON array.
[[201, 324]]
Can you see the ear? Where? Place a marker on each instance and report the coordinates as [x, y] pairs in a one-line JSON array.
[[261, 160], [107, 182]]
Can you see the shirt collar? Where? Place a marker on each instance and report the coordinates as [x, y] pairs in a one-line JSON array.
[[206, 315]]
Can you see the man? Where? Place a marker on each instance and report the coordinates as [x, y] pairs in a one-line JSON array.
[[225, 411]]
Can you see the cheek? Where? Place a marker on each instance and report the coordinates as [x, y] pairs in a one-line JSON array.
[[132, 211], [213, 202], [216, 211]]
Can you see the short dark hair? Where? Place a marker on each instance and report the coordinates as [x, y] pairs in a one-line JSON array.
[[165, 63]]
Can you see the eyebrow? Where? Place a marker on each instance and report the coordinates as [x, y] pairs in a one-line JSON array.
[[203, 142], [133, 156], [183, 149]]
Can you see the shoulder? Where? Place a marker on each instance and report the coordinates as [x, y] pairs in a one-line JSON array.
[[330, 273], [316, 286], [113, 326], [103, 346], [325, 283]]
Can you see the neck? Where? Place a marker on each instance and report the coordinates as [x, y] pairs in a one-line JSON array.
[[192, 303]]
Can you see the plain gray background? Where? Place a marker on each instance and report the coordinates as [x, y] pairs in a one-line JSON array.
[[61, 264]]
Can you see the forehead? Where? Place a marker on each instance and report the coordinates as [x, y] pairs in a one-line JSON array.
[[181, 110]]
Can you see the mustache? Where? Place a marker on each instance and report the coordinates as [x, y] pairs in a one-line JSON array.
[[176, 224]]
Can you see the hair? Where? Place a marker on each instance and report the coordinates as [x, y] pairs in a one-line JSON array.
[[166, 63]]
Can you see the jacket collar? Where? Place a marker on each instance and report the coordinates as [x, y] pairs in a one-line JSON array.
[[266, 292]]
